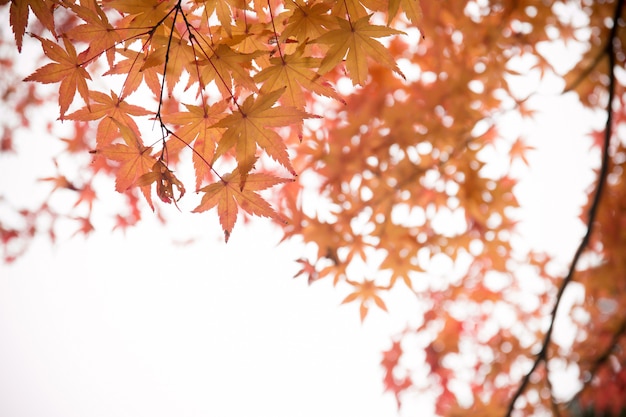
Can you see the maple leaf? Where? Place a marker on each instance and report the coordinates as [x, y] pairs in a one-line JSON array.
[[86, 195], [401, 267], [135, 71], [141, 15], [223, 10], [79, 140], [135, 161], [60, 182], [308, 269], [519, 150], [307, 21], [197, 124], [392, 356], [249, 38], [67, 69], [175, 51], [165, 180], [248, 126], [19, 12], [293, 72], [113, 111], [96, 31], [356, 39], [85, 226], [226, 66], [366, 292], [389, 362], [411, 8], [229, 196], [353, 8]]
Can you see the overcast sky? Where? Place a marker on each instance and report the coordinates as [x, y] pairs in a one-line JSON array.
[[136, 326]]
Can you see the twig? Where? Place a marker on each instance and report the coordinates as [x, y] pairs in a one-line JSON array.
[[601, 360]]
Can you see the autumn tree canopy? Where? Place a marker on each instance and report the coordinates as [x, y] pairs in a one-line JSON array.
[[387, 111]]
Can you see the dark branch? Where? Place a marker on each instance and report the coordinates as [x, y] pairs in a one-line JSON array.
[[602, 359], [608, 131]]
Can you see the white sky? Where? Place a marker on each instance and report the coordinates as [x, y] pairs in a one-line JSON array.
[[138, 327]]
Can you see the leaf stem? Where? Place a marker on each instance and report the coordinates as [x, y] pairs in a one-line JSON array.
[[280, 52]]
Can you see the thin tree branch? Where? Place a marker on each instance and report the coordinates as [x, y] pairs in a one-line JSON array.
[[542, 356], [603, 358], [607, 353], [588, 69]]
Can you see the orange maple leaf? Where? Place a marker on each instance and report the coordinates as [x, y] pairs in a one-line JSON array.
[[86, 195], [135, 71], [165, 180], [247, 127], [59, 182], [308, 269], [307, 21], [174, 51], [196, 124], [389, 362], [19, 17], [519, 150], [401, 267], [411, 9], [366, 291], [67, 70], [135, 161], [357, 40], [226, 66], [96, 31], [223, 11], [113, 111], [85, 226], [293, 72], [228, 196], [143, 14]]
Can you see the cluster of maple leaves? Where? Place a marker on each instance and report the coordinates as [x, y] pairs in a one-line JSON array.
[[236, 61], [247, 92]]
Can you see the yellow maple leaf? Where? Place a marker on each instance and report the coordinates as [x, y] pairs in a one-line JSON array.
[[223, 9], [307, 21], [411, 8]]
